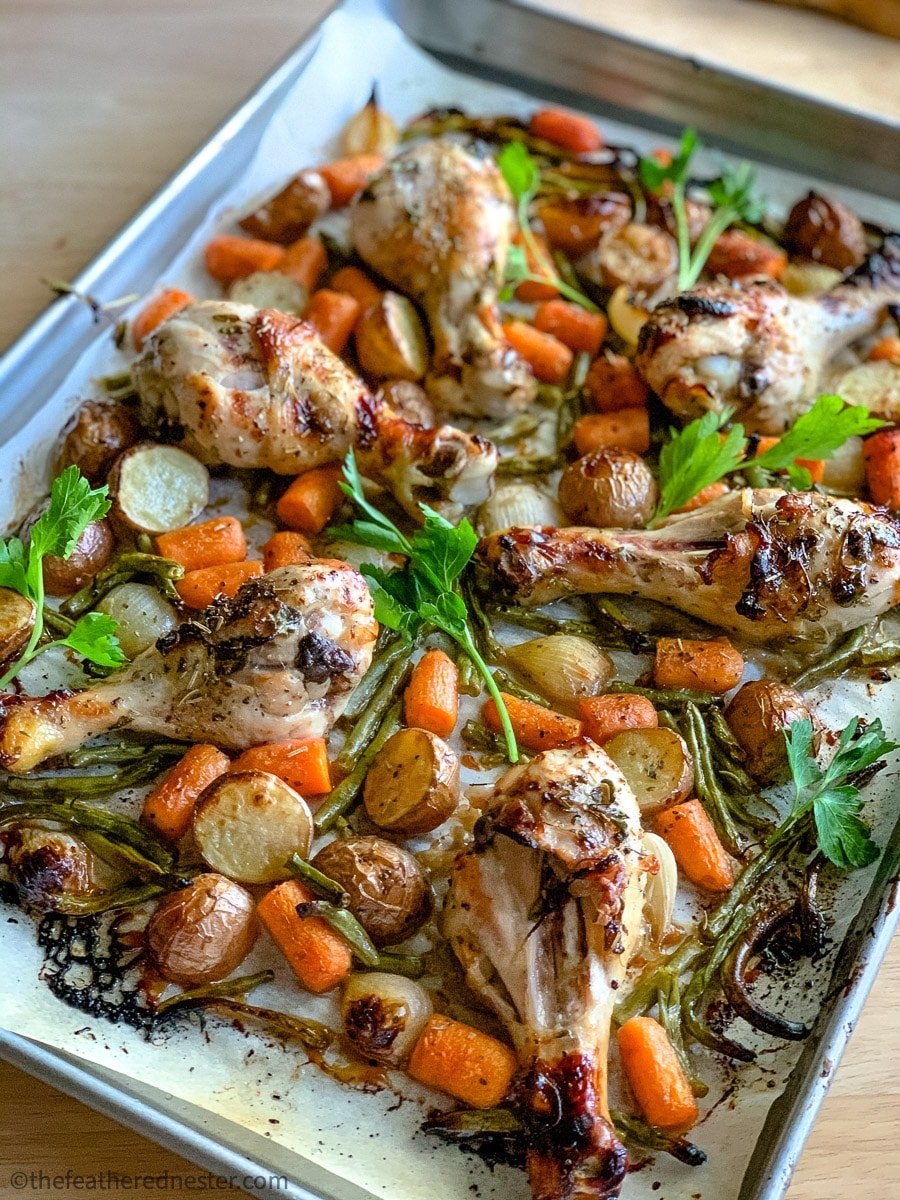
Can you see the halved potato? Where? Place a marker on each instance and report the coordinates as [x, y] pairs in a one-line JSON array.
[[157, 489], [248, 824], [270, 289], [16, 622], [413, 784], [626, 317], [390, 339], [657, 765]]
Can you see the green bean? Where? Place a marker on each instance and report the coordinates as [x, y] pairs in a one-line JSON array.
[[508, 684], [343, 797], [317, 881], [94, 787], [469, 681], [482, 632], [226, 989], [665, 697], [123, 569], [312, 1034], [410, 965], [570, 405], [668, 1002], [57, 623], [392, 649], [475, 1122], [370, 719], [873, 656], [529, 618], [705, 782], [639, 1133], [129, 895], [342, 921], [835, 661], [116, 753], [72, 815], [118, 387], [513, 430]]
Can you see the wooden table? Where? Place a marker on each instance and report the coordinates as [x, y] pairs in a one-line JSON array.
[[102, 99]]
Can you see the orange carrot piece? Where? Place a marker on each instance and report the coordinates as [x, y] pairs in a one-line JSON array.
[[815, 466], [156, 311], [333, 316], [712, 491], [629, 429], [209, 544], [301, 762], [431, 700], [319, 957], [887, 349], [305, 261], [605, 716], [199, 588], [656, 1075], [356, 283], [708, 666], [229, 257], [540, 263], [696, 846], [347, 176], [286, 549], [464, 1062], [737, 254], [548, 358], [575, 327], [169, 807], [612, 383], [575, 224], [535, 727], [569, 130], [311, 500], [882, 456]]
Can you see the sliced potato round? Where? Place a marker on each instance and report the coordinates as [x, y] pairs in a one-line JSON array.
[[657, 765], [203, 931], [876, 385], [249, 823], [413, 784], [270, 289], [390, 339], [141, 613], [16, 622], [157, 489]]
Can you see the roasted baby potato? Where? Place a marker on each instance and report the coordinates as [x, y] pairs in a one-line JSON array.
[[758, 714], [203, 931], [825, 231], [383, 1015], [94, 437], [657, 765], [390, 339], [270, 289], [142, 615], [157, 489], [16, 622], [575, 224], [286, 216], [640, 256], [413, 784], [249, 823], [611, 488], [388, 888], [93, 550]]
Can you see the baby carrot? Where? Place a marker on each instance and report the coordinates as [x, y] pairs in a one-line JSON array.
[[169, 807], [539, 261], [199, 588], [230, 257], [286, 549], [311, 500], [887, 349], [566, 129], [711, 492], [714, 666], [305, 261], [462, 1061], [156, 311], [332, 315], [548, 358], [815, 466], [536, 728], [656, 1075], [319, 957], [347, 176], [209, 544], [573, 325], [629, 429], [301, 762], [605, 716], [612, 383], [431, 700], [882, 456], [696, 846], [356, 283]]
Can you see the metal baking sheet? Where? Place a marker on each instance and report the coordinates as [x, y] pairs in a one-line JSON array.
[[553, 58]]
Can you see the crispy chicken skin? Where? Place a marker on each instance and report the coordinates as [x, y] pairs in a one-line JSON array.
[[258, 388], [437, 223], [767, 565], [278, 661], [757, 349], [545, 914]]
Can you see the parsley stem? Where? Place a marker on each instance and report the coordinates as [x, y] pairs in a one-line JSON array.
[[465, 640], [37, 630], [714, 228], [685, 265]]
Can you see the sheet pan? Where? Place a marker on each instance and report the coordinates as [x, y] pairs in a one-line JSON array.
[[603, 74]]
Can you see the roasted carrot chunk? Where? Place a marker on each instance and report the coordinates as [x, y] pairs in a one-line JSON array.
[[156, 311], [333, 316], [710, 666], [347, 176], [573, 325], [197, 589], [311, 500], [535, 727], [319, 957], [229, 257], [569, 130], [882, 456], [548, 358], [356, 283], [209, 544], [431, 700], [286, 549], [612, 383], [301, 762], [629, 429], [656, 1075], [696, 846], [605, 716], [169, 807], [462, 1061], [305, 261]]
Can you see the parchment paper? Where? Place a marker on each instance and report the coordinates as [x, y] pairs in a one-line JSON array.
[[343, 1141]]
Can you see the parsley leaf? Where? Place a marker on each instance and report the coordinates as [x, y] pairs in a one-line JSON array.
[[94, 639], [819, 432], [73, 505], [519, 170], [426, 590]]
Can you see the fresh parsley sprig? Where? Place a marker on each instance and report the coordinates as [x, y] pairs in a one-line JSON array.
[[732, 196], [522, 178], [73, 505], [698, 455], [843, 837], [426, 590]]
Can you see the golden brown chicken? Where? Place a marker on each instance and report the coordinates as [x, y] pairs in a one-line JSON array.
[[258, 388], [545, 914], [437, 223]]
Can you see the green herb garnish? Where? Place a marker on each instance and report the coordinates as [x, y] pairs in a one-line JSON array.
[[426, 591], [73, 505]]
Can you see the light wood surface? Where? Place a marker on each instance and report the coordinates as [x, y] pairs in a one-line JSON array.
[[102, 99]]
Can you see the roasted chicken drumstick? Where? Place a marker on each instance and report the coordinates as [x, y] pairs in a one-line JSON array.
[[278, 661], [767, 565], [437, 223], [258, 388], [756, 348], [544, 913]]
